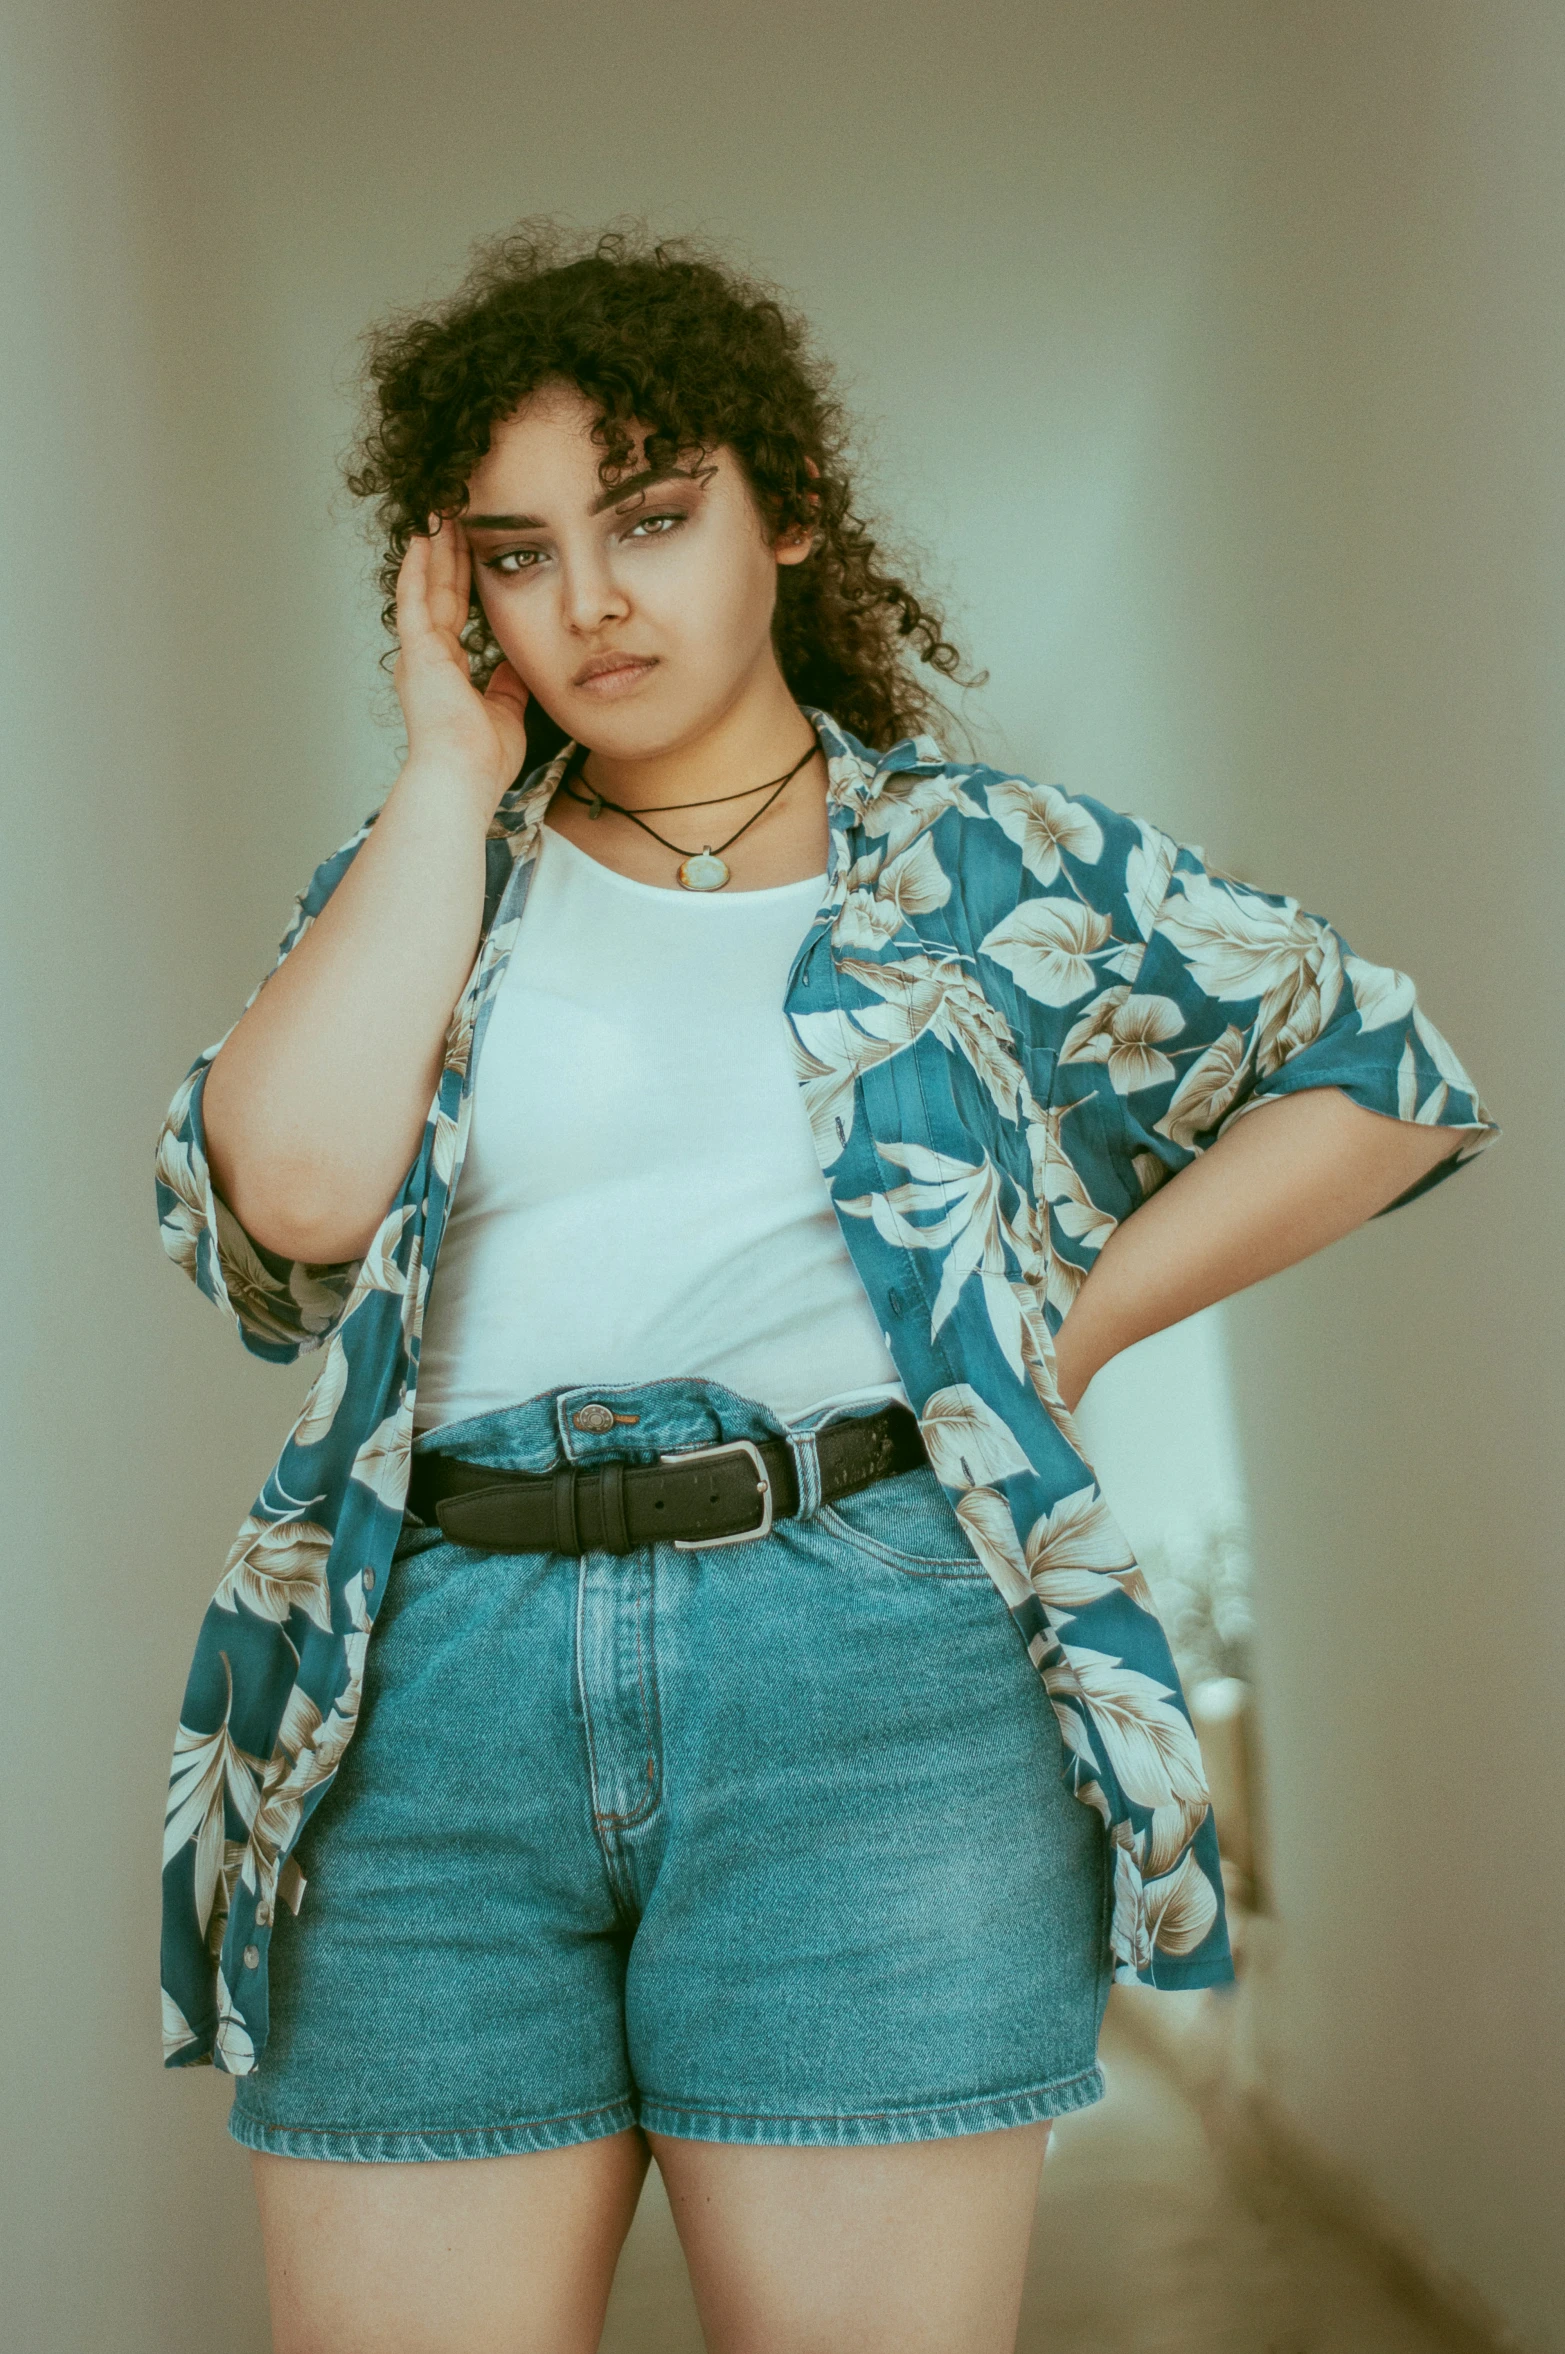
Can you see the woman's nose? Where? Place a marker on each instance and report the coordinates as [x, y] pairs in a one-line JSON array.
[[592, 596]]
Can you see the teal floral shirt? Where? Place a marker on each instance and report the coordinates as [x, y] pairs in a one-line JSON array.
[[1015, 1014]]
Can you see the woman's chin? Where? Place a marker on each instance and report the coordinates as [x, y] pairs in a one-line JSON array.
[[641, 729]]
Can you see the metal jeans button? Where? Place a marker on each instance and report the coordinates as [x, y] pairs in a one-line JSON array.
[[593, 1417]]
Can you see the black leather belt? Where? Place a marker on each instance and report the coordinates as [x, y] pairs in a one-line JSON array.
[[695, 1497]]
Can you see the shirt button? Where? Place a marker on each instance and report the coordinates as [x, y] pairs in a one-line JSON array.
[[593, 1417], [369, 1577], [263, 1914], [894, 1302], [252, 1957]]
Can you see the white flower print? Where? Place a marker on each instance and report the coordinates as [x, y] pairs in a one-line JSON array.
[[209, 1769], [459, 1034], [384, 1461], [1150, 1172], [318, 1296], [443, 1156], [1439, 1051], [1181, 1907], [1169, 1834], [1045, 945], [181, 1168], [830, 1053], [1093, 1794], [1207, 1091], [967, 1443], [177, 2030], [962, 1206], [379, 1270], [1130, 1938], [326, 1394], [879, 900], [909, 802], [1408, 1105], [1059, 1182], [1150, 1745], [255, 1294], [234, 2047], [991, 1531], [1043, 823], [1073, 1726], [1148, 868], [1125, 1032], [939, 995], [278, 1566], [1381, 994], [1076, 1554], [1239, 944]]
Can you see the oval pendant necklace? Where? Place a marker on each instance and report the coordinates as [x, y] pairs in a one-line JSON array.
[[704, 872], [698, 870]]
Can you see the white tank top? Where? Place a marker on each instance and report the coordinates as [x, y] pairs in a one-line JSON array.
[[640, 1196]]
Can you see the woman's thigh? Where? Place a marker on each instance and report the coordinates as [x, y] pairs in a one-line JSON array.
[[514, 2255], [907, 2248]]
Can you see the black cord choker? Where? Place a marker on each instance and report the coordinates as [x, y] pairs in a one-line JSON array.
[[699, 870]]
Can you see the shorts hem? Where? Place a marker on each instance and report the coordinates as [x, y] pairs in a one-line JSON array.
[[683, 2122], [351, 2145]]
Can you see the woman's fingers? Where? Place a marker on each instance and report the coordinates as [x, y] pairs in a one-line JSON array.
[[462, 585], [505, 686], [447, 553], [433, 586], [413, 593], [505, 700], [432, 677]]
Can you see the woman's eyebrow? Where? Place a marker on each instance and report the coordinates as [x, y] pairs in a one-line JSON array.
[[609, 498]]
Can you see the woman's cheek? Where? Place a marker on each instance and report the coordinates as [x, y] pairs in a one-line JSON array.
[[523, 648]]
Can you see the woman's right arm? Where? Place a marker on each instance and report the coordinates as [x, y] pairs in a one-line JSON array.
[[315, 1104]]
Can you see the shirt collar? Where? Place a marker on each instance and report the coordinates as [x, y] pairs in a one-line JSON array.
[[855, 774]]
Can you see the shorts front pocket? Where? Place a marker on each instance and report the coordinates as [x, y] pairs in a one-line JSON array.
[[906, 1522]]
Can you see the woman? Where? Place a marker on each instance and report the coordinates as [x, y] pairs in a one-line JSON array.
[[769, 1753]]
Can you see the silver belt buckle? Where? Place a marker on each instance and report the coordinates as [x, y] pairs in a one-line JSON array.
[[743, 1536]]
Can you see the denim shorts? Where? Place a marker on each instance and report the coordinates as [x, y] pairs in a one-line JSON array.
[[766, 1844]]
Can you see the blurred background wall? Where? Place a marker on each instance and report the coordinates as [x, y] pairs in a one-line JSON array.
[[1214, 354]]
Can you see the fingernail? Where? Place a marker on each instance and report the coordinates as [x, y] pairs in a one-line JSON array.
[[434, 525]]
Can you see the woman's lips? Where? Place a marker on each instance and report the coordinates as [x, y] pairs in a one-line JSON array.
[[605, 684]]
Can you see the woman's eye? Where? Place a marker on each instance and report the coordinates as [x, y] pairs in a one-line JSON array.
[[513, 561], [653, 524]]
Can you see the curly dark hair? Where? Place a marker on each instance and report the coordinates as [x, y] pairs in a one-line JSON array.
[[670, 337]]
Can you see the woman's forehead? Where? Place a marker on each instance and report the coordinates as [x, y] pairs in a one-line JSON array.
[[546, 450]]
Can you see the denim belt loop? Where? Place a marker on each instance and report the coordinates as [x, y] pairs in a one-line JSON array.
[[806, 1470]]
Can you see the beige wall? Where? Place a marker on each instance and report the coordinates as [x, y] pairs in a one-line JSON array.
[[1215, 351], [1403, 1392]]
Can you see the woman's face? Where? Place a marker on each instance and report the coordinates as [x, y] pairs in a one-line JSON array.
[[639, 616]]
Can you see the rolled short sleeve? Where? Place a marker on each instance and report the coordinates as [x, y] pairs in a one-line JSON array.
[[281, 1307], [1243, 997]]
